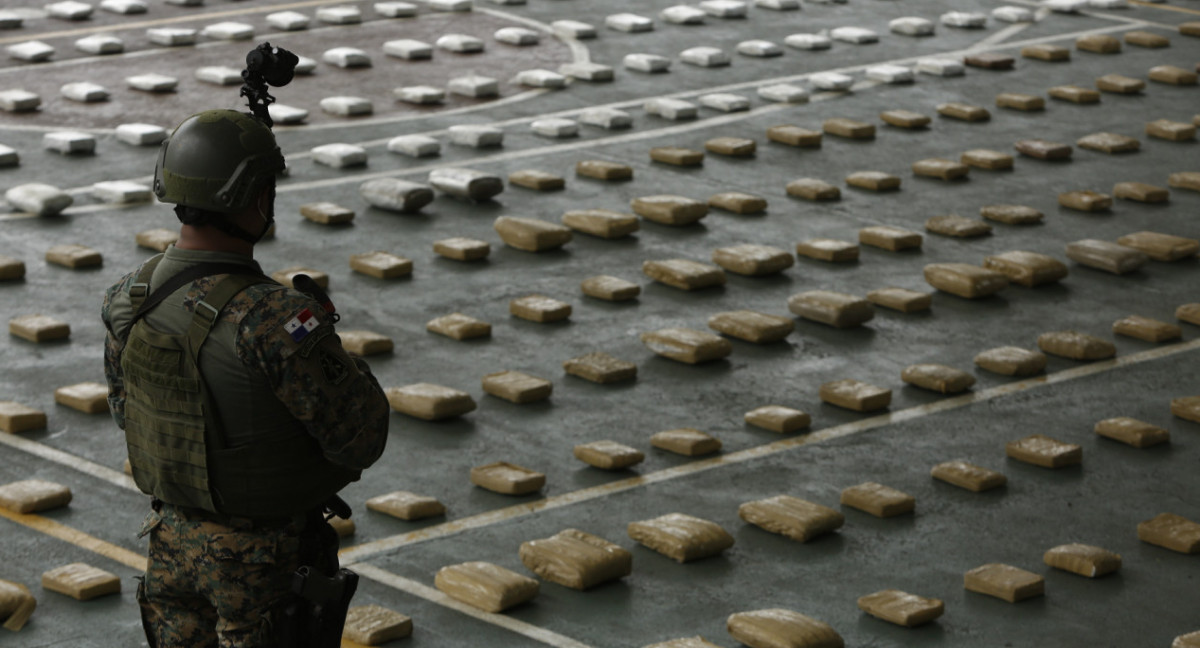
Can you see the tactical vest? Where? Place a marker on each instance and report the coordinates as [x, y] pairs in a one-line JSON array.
[[174, 434]]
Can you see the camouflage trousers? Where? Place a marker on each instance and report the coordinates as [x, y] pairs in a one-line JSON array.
[[211, 584]]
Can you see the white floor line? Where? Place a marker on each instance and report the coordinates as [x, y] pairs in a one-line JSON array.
[[420, 590], [103, 473], [368, 550]]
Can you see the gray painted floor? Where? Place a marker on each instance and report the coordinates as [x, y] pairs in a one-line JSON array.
[[1150, 601]]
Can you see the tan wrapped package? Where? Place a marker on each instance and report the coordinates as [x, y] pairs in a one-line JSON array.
[[81, 581], [488, 587], [1076, 345], [1185, 180], [969, 476], [681, 537], [11, 268], [610, 288], [1171, 531], [429, 402], [700, 642], [1141, 192], [16, 418], [753, 260], [832, 308], [1106, 255], [798, 519], [603, 170], [1043, 149], [904, 119], [531, 234], [830, 250], [461, 248], [941, 169], [958, 226], [670, 210], [889, 238], [1119, 84], [87, 397], [1166, 129], [576, 559], [1143, 38], [1026, 268], [965, 280], [507, 479], [1075, 94], [1088, 201], [1012, 361], [677, 156], [327, 213], [286, 276], [1173, 75], [16, 605], [854, 395], [1189, 313], [778, 418], [843, 127], [517, 387], [901, 608], [987, 159], [794, 136], [735, 146], [152, 239], [873, 181], [1004, 582], [1191, 28], [608, 455], [752, 326], [459, 326], [38, 328], [1011, 214], [878, 500], [366, 343], [990, 61], [1041, 450], [779, 628], [539, 308], [901, 299], [1098, 43], [1131, 431], [1019, 101], [600, 367], [1109, 143], [33, 496], [813, 189], [1187, 408], [1144, 328], [738, 202], [537, 180], [965, 112], [74, 256], [684, 274], [688, 442], [601, 222], [1046, 52], [687, 345], [406, 506], [372, 625], [1085, 560], [938, 378], [381, 265]]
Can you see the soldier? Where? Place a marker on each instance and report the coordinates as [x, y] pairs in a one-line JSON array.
[[242, 413]]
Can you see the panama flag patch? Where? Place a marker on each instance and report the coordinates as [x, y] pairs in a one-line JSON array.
[[301, 325]]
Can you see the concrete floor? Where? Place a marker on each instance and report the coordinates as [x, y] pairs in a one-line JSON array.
[[1146, 604]]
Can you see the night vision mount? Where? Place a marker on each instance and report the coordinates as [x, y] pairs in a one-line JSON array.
[[266, 66]]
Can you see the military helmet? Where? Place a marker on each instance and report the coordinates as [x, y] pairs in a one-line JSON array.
[[217, 160]]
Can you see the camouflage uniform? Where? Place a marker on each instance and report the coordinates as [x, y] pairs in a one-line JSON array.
[[214, 579]]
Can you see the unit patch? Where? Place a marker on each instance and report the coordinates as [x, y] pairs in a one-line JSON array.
[[334, 369]]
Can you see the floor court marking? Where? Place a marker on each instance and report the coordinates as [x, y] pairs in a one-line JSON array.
[[1165, 7], [78, 538], [368, 550]]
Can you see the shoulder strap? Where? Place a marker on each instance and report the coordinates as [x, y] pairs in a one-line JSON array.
[[209, 308], [143, 304], [141, 286]]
